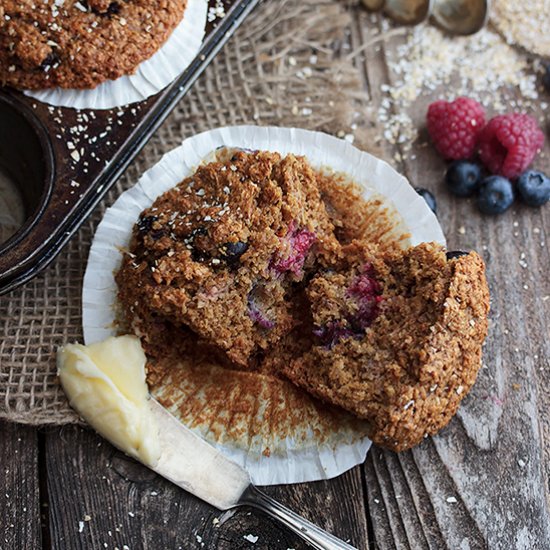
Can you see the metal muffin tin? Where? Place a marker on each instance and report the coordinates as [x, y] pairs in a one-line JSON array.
[[64, 161]]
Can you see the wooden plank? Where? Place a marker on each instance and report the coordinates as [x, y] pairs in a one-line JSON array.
[[99, 498], [20, 494], [483, 481]]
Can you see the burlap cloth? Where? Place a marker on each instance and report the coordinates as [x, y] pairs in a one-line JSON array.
[[288, 66]]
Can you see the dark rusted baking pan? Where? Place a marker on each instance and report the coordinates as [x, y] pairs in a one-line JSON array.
[[63, 161]]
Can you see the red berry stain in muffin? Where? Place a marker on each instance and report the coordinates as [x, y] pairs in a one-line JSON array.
[[295, 247], [364, 297], [365, 291]]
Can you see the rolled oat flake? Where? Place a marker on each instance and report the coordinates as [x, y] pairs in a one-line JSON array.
[[525, 24]]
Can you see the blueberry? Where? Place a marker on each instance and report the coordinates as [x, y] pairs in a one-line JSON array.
[[145, 223], [495, 195], [145, 226], [50, 61], [452, 254], [196, 240], [98, 8], [428, 197], [231, 252], [534, 188], [332, 332], [463, 177]]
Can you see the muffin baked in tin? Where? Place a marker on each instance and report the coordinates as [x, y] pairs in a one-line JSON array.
[[80, 44]]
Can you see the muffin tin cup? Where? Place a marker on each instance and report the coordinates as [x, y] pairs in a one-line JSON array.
[[75, 156], [295, 453], [26, 158]]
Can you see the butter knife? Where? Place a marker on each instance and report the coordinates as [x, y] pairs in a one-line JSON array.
[[196, 466]]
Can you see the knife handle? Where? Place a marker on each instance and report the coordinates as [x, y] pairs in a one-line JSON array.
[[315, 536]]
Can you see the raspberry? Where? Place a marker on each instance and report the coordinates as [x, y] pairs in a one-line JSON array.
[[454, 127], [365, 291], [298, 244], [509, 143]]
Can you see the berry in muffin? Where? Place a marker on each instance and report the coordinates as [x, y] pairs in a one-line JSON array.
[[397, 338], [225, 251]]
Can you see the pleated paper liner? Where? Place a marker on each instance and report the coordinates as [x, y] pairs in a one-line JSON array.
[[152, 76], [276, 431]]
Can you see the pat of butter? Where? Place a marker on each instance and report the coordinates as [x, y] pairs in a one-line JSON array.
[[105, 384]]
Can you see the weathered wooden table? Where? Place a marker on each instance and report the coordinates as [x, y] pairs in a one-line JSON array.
[[481, 483]]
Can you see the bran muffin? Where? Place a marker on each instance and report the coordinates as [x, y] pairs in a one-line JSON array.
[[224, 252], [397, 338], [257, 262], [80, 43]]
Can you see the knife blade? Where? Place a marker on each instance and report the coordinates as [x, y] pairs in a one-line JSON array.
[[202, 470]]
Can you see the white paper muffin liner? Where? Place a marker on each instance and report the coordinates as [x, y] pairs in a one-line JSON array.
[[151, 76], [292, 459]]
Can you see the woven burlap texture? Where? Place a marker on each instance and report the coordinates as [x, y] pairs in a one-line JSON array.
[[286, 66]]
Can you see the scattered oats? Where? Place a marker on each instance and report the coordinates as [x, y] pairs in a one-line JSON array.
[[481, 66], [87, 517], [524, 23]]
